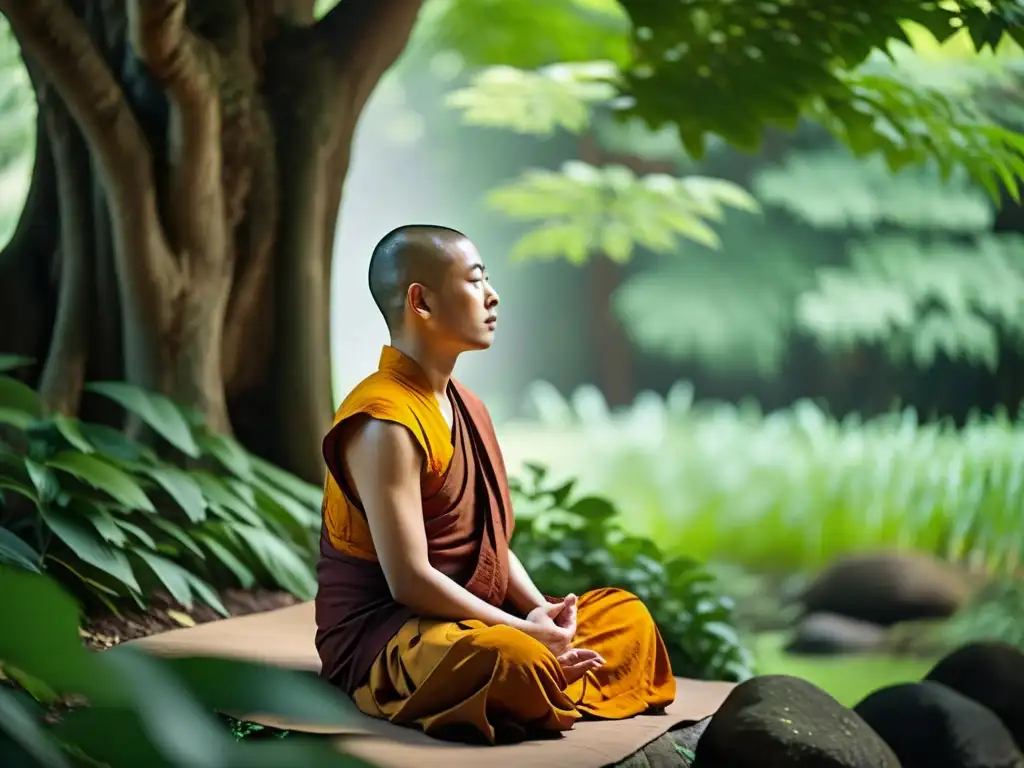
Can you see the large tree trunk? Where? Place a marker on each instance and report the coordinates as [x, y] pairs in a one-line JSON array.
[[188, 179]]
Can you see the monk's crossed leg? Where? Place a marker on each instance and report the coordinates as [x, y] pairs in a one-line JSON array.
[[441, 675]]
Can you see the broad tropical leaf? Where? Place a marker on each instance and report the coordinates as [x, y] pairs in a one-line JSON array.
[[14, 551], [19, 397], [104, 477], [25, 730], [158, 412], [183, 488], [14, 362], [280, 561], [91, 550]]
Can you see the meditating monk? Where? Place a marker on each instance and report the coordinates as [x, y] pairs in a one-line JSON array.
[[424, 615]]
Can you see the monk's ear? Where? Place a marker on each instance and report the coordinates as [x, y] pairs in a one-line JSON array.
[[418, 299]]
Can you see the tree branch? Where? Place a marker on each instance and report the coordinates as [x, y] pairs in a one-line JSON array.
[[59, 44], [63, 374], [180, 63], [364, 38]]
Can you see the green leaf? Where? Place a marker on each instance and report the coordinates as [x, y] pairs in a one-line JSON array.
[[71, 431], [106, 526], [51, 650], [177, 533], [19, 397], [205, 593], [116, 445], [112, 737], [138, 533], [18, 419], [171, 575], [180, 583], [104, 477], [220, 495], [230, 454], [242, 687], [594, 508], [558, 97], [245, 577], [305, 517], [157, 411], [14, 362], [44, 480], [281, 562], [181, 487], [14, 551], [89, 549], [26, 731], [310, 495], [175, 727]]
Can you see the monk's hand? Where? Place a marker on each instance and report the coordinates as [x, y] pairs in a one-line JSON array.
[[576, 662], [540, 624], [567, 616]]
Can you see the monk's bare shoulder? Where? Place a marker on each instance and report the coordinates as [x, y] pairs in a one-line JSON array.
[[386, 449]]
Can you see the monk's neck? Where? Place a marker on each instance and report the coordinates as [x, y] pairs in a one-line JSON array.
[[436, 367]]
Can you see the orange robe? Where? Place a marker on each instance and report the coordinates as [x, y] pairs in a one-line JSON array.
[[465, 679]]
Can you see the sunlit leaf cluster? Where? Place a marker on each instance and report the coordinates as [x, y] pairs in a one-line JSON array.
[[531, 33], [920, 299], [556, 97], [788, 490], [690, 53], [732, 309], [833, 189], [905, 262], [585, 210]]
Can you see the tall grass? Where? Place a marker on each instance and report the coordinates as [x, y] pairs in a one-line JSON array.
[[788, 490]]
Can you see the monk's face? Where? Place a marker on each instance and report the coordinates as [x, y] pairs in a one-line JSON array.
[[463, 306]]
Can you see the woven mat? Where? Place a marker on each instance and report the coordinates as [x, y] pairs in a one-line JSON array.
[[284, 638]]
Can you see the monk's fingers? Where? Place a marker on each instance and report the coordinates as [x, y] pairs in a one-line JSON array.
[[553, 610], [576, 656], [574, 672], [567, 617]]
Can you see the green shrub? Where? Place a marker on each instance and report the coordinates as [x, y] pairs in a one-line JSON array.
[[116, 517], [788, 490], [994, 614], [575, 545], [142, 710]]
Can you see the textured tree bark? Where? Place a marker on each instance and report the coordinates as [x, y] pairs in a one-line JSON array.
[[200, 171]]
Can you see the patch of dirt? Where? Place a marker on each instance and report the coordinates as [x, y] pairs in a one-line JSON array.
[[105, 630]]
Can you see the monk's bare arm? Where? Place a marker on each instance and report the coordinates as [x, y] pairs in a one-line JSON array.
[[384, 463], [522, 592]]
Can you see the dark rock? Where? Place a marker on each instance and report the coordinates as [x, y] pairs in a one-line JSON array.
[[931, 726], [830, 633], [887, 588], [992, 674], [777, 721]]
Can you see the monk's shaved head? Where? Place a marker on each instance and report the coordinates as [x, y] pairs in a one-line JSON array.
[[414, 253]]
